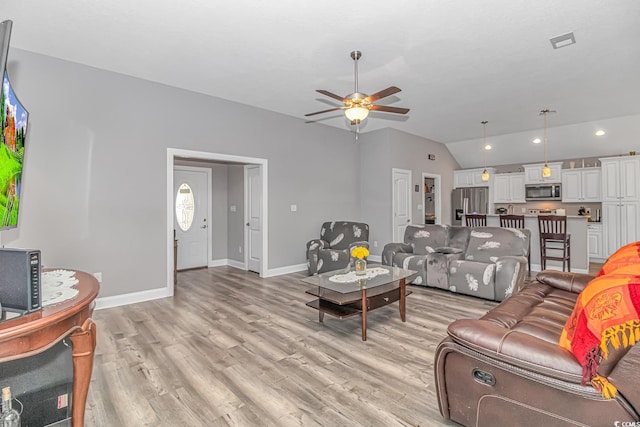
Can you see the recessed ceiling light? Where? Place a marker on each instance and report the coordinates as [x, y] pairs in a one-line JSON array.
[[600, 132], [487, 147], [563, 40], [537, 141]]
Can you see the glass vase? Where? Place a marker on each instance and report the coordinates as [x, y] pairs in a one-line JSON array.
[[361, 267]]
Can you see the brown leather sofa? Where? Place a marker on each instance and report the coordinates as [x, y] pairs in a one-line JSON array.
[[506, 368]]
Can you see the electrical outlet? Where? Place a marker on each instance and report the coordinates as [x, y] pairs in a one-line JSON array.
[[98, 276], [375, 243]]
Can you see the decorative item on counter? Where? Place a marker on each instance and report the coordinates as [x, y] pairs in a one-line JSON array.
[[582, 211], [561, 212], [360, 253], [572, 164], [10, 417]]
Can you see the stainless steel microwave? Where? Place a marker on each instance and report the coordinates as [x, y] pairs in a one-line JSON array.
[[543, 192]]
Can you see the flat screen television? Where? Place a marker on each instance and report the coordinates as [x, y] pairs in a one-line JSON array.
[[13, 131]]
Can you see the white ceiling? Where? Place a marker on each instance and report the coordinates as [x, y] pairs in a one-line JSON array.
[[457, 63]]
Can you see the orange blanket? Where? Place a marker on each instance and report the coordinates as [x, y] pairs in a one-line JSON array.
[[607, 313]]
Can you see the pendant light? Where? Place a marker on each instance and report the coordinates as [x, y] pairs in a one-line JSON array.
[[546, 170], [485, 173]]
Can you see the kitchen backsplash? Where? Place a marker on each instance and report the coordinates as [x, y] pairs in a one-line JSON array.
[[570, 208]]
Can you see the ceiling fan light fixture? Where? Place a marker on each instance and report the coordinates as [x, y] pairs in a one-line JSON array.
[[356, 113]]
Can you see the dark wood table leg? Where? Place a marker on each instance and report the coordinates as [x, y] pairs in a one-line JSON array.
[[84, 346], [320, 316], [364, 315], [403, 300]]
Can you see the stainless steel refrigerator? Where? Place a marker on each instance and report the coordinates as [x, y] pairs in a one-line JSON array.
[[468, 200]]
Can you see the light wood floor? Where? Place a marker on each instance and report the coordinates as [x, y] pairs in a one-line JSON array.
[[231, 349]]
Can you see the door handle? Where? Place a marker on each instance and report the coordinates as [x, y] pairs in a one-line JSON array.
[[247, 224], [204, 226], [408, 220]]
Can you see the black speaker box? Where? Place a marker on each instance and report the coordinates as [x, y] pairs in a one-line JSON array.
[[20, 287]]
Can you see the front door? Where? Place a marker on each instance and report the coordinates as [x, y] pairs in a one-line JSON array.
[[254, 217], [191, 201], [401, 194]]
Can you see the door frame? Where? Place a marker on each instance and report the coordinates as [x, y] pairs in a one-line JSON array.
[[438, 184], [172, 153], [393, 200], [207, 172]]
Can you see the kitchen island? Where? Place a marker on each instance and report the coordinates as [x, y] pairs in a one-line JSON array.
[[576, 226]]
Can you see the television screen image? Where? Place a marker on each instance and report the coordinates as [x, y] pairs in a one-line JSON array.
[[13, 118]]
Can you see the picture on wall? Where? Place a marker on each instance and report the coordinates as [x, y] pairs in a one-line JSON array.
[[13, 127]]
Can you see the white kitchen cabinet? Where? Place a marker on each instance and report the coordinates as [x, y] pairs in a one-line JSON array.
[[620, 221], [508, 188], [533, 173], [581, 185], [594, 240], [471, 178], [620, 179], [620, 202]]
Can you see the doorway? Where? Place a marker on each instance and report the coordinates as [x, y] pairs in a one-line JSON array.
[[432, 198], [262, 169], [401, 196]]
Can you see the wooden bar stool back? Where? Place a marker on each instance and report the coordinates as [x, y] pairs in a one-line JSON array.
[[516, 221], [555, 242], [476, 220]]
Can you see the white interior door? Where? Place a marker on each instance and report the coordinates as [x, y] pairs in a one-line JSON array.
[[254, 217], [191, 222], [401, 194]]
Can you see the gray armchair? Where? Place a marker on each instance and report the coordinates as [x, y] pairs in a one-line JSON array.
[[332, 251]]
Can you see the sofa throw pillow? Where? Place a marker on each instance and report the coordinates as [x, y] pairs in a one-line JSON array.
[[606, 315]]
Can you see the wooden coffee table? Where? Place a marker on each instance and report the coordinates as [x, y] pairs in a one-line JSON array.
[[346, 299]]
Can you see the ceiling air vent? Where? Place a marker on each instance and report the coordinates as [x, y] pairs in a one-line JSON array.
[[563, 40]]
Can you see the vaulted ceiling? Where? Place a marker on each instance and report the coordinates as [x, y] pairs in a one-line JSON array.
[[457, 63]]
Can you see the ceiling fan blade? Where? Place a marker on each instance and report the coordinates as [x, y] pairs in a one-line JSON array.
[[382, 94], [331, 95], [388, 109], [324, 111]]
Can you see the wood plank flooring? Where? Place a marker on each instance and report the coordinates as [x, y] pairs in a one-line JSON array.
[[231, 349]]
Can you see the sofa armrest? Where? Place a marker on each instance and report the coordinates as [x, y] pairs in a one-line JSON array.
[[510, 275], [391, 249], [313, 246], [571, 282], [516, 348]]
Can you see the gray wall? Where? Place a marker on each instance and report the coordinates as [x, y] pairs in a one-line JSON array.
[[95, 174], [383, 150]]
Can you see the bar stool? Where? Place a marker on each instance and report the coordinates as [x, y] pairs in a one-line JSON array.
[[476, 220], [554, 238], [516, 221]]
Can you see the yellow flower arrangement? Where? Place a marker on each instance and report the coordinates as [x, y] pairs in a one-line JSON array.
[[360, 252]]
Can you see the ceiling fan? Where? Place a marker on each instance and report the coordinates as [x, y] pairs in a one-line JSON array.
[[357, 105]]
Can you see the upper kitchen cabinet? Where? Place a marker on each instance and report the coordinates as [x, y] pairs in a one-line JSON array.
[[533, 173], [581, 185], [471, 178], [620, 179], [508, 188]]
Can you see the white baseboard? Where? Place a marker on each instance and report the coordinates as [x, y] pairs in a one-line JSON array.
[[236, 264], [375, 258], [133, 298], [218, 262], [285, 270]]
